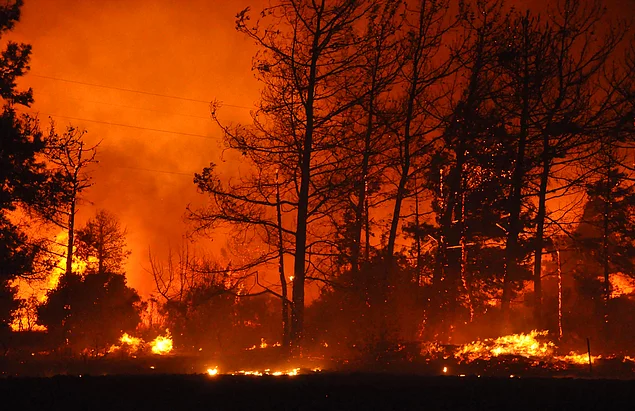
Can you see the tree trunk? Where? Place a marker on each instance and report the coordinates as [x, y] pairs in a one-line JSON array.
[[515, 201], [362, 202], [283, 279], [540, 228], [71, 237], [297, 309], [605, 246]]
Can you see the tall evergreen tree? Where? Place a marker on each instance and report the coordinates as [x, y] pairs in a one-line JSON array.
[[23, 175]]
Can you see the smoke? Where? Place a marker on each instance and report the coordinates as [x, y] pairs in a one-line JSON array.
[[184, 49], [187, 49]]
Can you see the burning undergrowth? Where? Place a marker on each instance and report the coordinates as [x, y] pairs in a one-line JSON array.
[[522, 354], [161, 345]]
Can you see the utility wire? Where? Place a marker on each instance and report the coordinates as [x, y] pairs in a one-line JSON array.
[[120, 125], [156, 171], [129, 90], [135, 108]]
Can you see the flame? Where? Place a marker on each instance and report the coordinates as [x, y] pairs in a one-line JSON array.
[[575, 358], [259, 373], [531, 345], [621, 285], [162, 345], [524, 345], [133, 342], [212, 371]]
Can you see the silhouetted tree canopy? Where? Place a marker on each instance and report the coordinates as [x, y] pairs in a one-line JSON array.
[[23, 175], [92, 311], [101, 244]]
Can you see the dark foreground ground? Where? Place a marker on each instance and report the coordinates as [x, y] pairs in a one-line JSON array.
[[313, 392]]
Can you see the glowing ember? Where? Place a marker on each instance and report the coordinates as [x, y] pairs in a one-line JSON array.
[[162, 345], [258, 373]]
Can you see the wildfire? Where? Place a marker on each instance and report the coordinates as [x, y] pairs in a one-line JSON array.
[[212, 371], [162, 345]]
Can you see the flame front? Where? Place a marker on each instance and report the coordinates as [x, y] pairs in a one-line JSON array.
[[162, 345], [524, 345]]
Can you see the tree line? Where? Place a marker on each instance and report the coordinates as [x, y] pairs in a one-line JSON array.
[[445, 144], [436, 169]]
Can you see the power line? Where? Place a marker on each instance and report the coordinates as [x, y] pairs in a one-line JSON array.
[[137, 108], [129, 90], [120, 125], [156, 171]]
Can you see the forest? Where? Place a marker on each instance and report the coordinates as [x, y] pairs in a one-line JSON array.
[[415, 172]]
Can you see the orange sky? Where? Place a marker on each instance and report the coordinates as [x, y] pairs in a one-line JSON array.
[[180, 48]]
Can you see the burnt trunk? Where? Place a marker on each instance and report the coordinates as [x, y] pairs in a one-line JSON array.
[[540, 229], [299, 264], [71, 237], [515, 200], [283, 279], [605, 248]]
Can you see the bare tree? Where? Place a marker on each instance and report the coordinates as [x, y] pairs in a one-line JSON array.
[[307, 48], [70, 158]]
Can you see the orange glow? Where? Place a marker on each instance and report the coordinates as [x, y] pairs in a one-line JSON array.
[[212, 371], [77, 49]]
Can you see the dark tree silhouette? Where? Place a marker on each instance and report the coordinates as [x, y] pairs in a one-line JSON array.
[[23, 176], [69, 157], [90, 312], [101, 244], [306, 50]]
